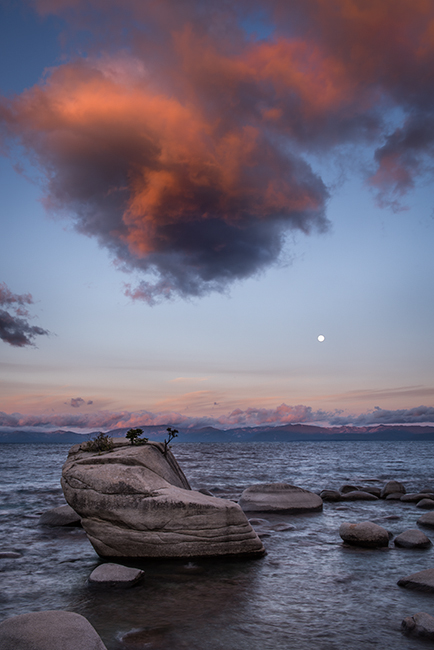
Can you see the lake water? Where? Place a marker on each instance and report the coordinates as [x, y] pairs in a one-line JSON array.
[[309, 591]]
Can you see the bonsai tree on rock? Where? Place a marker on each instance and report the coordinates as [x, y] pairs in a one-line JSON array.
[[133, 436], [173, 433]]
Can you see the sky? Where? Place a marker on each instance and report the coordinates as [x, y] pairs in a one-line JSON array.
[[192, 192]]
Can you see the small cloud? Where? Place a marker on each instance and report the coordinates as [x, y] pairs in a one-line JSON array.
[[14, 327], [89, 402], [76, 402]]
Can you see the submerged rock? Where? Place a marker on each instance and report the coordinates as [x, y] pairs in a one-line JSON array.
[[421, 581], [421, 624], [61, 516], [412, 538], [50, 630], [392, 487], [115, 575], [136, 502], [365, 533], [279, 497]]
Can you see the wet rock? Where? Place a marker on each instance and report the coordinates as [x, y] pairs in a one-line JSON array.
[[392, 487], [427, 490], [421, 624], [358, 495], [279, 497], [347, 488], [115, 575], [427, 520], [50, 630], [61, 516], [365, 533], [426, 504], [376, 491], [330, 495], [414, 497], [412, 538], [9, 554], [421, 581], [136, 502], [205, 491], [395, 496]]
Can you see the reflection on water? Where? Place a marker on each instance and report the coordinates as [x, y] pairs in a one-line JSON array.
[[308, 591]]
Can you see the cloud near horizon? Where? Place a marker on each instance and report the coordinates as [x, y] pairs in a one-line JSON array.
[[183, 147], [15, 328], [250, 417]]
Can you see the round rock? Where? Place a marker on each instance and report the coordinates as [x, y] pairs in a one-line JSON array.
[[414, 497], [395, 496], [427, 519], [61, 516], [50, 630], [426, 504], [392, 487], [412, 538], [279, 497], [358, 495], [330, 495], [421, 624], [365, 533], [347, 488], [115, 575]]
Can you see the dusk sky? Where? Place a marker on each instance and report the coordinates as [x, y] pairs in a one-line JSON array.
[[193, 191]]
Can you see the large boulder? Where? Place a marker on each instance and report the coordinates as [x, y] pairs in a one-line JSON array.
[[279, 497], [365, 533], [50, 630], [135, 501]]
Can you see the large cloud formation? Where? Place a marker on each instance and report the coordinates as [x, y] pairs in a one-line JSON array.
[[181, 140], [15, 328]]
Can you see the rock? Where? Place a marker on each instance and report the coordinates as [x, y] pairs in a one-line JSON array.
[[412, 538], [392, 487], [115, 575], [414, 497], [50, 630], [330, 495], [61, 516], [395, 496], [347, 488], [427, 520], [376, 491], [421, 581], [365, 533], [420, 624], [426, 504], [427, 490], [136, 502], [279, 497], [359, 495], [9, 554], [205, 491], [281, 527]]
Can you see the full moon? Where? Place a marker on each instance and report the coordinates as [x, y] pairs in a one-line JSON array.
[[321, 338]]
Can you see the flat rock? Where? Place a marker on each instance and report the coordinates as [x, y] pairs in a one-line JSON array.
[[421, 624], [279, 497], [115, 575], [365, 533], [61, 516], [427, 519], [358, 495], [50, 630], [330, 495], [9, 554], [414, 497], [412, 538], [135, 501], [392, 487], [426, 504], [421, 581]]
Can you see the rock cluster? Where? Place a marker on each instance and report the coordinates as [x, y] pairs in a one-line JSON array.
[[421, 624], [134, 501]]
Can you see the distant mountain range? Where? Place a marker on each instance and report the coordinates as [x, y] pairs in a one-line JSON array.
[[285, 433]]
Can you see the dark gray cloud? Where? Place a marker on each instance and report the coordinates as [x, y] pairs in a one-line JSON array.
[[15, 328]]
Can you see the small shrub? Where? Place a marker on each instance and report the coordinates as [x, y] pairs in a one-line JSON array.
[[100, 443], [173, 433], [133, 436]]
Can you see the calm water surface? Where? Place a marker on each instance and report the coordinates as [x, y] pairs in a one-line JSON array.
[[307, 592]]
